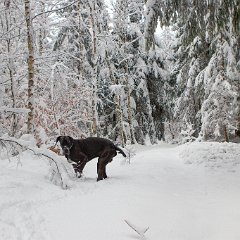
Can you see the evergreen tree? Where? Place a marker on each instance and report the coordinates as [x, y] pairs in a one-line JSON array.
[[131, 71], [207, 32]]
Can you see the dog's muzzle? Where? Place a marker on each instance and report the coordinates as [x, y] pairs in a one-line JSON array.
[[66, 150]]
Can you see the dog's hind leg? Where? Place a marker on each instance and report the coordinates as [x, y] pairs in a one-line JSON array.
[[101, 168], [101, 171], [105, 158]]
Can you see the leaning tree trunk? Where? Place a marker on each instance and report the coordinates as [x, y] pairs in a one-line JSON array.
[[30, 120], [237, 132]]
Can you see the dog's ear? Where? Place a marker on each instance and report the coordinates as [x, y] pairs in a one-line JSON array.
[[58, 139], [70, 141]]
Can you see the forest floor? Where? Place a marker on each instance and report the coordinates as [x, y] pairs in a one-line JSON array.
[[189, 192]]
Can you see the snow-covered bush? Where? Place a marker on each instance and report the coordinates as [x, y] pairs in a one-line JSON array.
[[212, 155], [187, 134], [61, 171]]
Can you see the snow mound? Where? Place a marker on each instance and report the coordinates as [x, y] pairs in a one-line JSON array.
[[212, 155]]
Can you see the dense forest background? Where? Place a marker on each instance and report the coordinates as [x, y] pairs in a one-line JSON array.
[[83, 68]]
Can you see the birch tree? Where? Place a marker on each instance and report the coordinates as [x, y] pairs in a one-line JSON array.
[[94, 125], [31, 71]]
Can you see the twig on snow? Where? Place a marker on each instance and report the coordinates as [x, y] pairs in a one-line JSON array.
[[137, 230]]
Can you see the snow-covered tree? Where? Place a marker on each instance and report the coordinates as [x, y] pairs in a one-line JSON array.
[[66, 69], [13, 67], [207, 32], [130, 62]]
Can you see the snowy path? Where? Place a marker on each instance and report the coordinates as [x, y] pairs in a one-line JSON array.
[[157, 190]]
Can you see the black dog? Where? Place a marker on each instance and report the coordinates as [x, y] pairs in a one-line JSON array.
[[81, 151]]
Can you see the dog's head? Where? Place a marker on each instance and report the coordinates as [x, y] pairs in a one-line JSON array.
[[66, 144]]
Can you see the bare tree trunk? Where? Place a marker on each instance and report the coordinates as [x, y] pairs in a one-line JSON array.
[[13, 94], [94, 127], [226, 133], [80, 60], [30, 120], [129, 108], [42, 32], [11, 77], [237, 132], [171, 131], [128, 92], [149, 40]]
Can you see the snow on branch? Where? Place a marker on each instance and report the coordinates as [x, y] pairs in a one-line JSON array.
[[116, 88], [56, 10], [61, 170], [130, 152], [14, 110]]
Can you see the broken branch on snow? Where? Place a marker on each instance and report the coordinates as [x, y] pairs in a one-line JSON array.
[[140, 232]]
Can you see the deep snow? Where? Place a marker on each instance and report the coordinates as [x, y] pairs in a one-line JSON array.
[[167, 188]]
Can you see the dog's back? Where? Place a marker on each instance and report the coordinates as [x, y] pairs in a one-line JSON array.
[[94, 146]]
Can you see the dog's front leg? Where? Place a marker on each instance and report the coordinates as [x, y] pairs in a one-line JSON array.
[[79, 166]]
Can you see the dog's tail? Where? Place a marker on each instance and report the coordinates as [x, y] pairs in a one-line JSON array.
[[120, 150]]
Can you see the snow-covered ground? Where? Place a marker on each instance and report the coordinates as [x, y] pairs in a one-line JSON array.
[[191, 192]]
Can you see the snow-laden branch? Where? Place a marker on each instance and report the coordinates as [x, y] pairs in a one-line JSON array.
[[14, 110], [124, 60], [63, 167], [117, 88], [55, 10]]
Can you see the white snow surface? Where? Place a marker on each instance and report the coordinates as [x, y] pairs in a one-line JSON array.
[[159, 189]]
